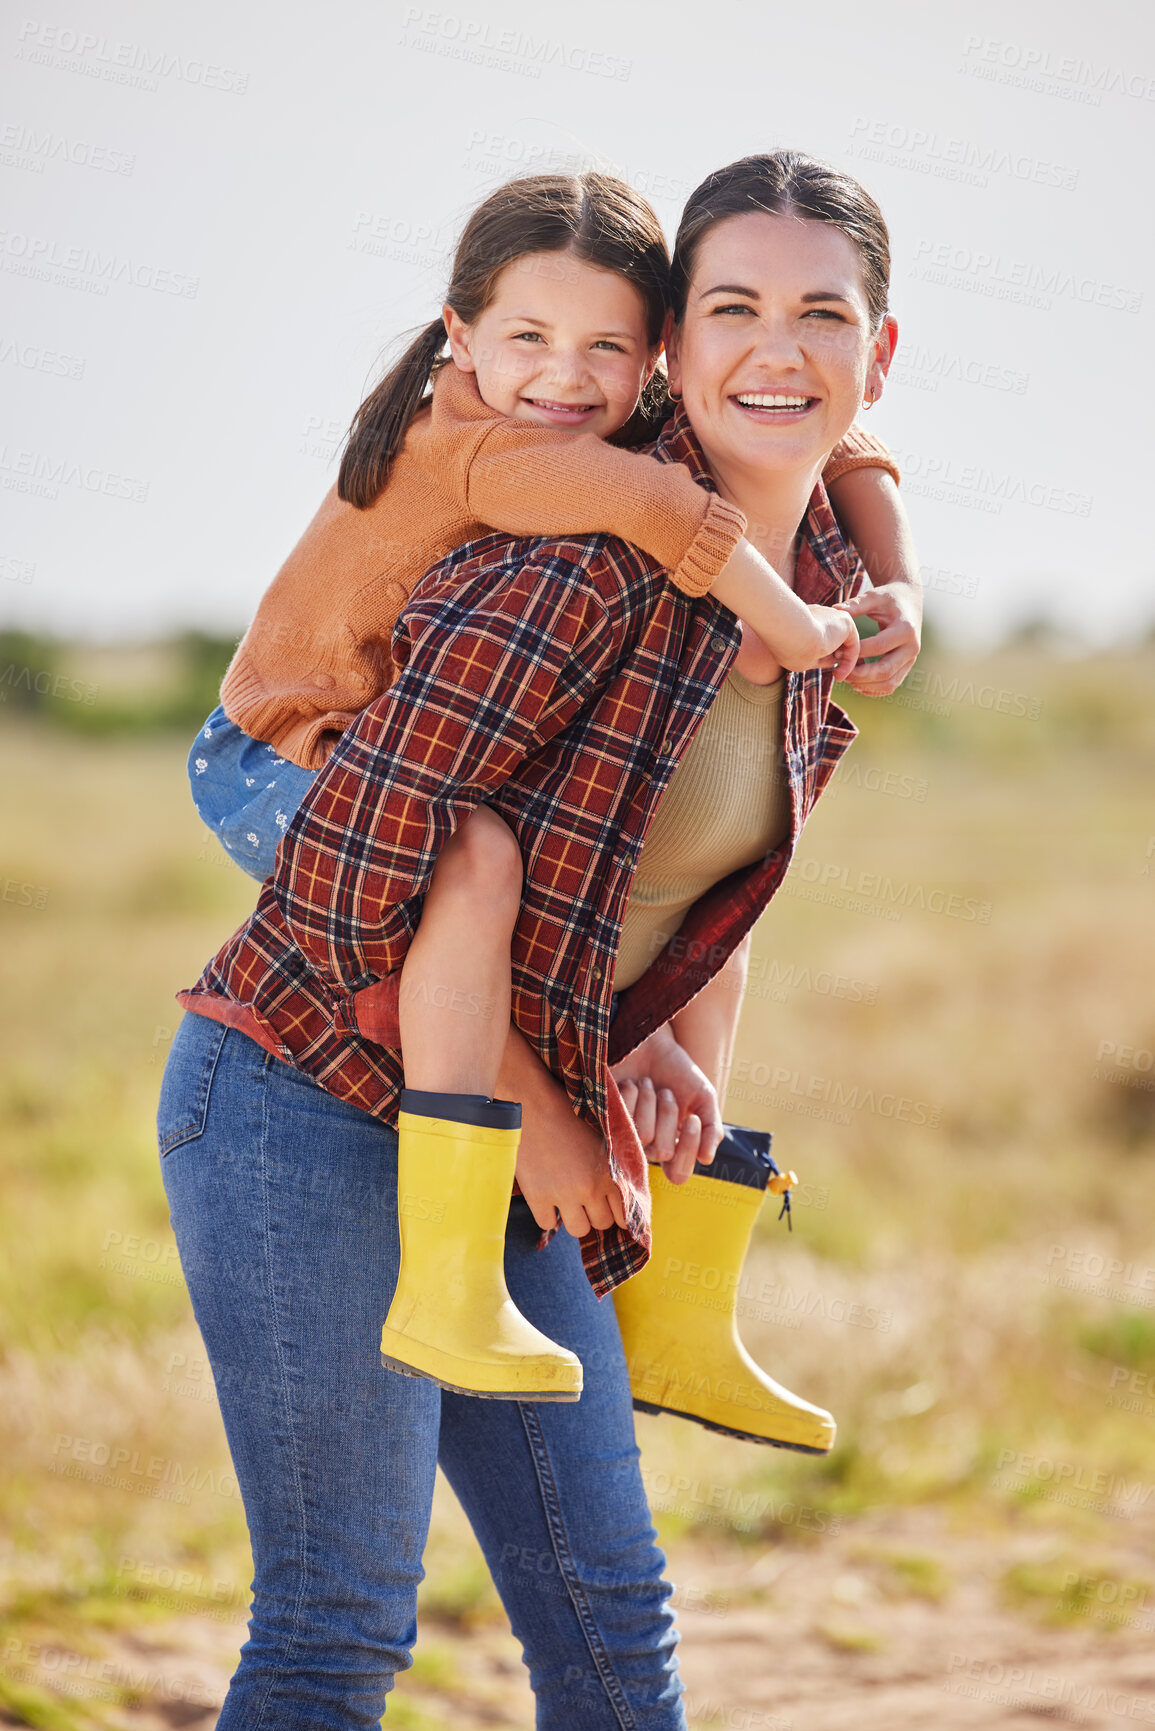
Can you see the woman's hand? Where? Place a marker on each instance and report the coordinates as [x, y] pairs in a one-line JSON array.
[[672, 1102], [897, 608]]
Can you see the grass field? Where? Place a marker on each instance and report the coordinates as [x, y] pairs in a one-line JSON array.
[[950, 1027]]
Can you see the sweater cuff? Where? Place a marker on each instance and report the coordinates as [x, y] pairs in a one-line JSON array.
[[859, 449], [722, 528]]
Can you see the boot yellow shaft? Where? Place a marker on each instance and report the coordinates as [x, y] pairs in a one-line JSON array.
[[452, 1318], [679, 1322]]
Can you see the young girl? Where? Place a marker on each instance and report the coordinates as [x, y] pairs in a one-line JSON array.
[[554, 320]]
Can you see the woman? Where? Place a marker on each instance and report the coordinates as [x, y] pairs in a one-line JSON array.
[[592, 675]]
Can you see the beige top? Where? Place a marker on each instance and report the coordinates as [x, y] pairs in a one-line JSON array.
[[727, 805]]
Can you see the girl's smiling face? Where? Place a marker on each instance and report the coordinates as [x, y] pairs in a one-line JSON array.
[[562, 343], [775, 353]]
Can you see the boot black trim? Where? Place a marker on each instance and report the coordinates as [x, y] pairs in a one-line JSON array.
[[743, 1157], [725, 1429], [475, 1109]]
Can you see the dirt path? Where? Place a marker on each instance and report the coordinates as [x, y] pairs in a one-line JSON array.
[[894, 1622]]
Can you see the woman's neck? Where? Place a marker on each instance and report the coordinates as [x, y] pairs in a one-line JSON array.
[[774, 505]]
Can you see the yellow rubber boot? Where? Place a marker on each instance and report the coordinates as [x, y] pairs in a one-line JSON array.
[[452, 1318], [678, 1317]]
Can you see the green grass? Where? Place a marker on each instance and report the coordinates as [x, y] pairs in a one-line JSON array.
[[962, 1228]]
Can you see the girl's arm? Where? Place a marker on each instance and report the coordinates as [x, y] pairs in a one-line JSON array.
[[867, 504], [530, 480]]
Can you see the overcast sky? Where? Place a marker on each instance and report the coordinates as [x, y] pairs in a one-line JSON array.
[[216, 219]]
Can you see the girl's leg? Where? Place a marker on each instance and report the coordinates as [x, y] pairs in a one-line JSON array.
[[284, 1206], [455, 982], [555, 1496]]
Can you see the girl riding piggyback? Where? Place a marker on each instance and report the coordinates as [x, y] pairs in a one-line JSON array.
[[553, 319]]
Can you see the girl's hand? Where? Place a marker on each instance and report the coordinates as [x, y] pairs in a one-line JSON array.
[[673, 1104], [843, 659], [563, 1168], [897, 608]]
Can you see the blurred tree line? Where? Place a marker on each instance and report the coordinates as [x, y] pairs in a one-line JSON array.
[[48, 680]]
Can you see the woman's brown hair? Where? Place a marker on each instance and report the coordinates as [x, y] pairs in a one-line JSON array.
[[786, 183], [593, 217]]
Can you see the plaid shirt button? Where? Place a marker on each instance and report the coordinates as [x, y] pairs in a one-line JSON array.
[[717, 644]]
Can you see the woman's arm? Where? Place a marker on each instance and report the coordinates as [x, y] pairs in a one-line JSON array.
[[870, 510], [708, 1026], [673, 1084]]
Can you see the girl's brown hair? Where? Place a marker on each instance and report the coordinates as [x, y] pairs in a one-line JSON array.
[[594, 217], [786, 183]]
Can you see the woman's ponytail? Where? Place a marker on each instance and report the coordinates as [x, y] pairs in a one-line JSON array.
[[380, 424]]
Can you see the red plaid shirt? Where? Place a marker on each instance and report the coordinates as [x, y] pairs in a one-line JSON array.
[[560, 681]]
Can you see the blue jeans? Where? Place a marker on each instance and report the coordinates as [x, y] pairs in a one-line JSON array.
[[244, 792], [284, 1204]]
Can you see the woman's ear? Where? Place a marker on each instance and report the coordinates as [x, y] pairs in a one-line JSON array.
[[885, 344], [459, 335], [673, 355]]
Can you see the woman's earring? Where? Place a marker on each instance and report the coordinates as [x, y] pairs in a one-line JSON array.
[[674, 396], [869, 402]]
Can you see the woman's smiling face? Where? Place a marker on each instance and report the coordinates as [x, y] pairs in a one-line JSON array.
[[775, 353]]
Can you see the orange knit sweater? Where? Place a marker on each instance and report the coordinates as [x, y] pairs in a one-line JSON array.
[[317, 652]]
